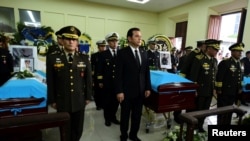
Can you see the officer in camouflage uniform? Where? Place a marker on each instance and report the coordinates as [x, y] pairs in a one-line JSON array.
[[203, 71], [69, 81], [229, 81], [153, 55]]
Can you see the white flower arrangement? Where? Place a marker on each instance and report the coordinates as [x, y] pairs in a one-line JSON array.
[[172, 135]]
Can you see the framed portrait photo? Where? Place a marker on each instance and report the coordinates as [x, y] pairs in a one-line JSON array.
[[19, 52], [27, 64], [165, 59]]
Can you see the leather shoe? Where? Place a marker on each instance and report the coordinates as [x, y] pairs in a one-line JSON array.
[[134, 139], [244, 103], [107, 123], [116, 121]]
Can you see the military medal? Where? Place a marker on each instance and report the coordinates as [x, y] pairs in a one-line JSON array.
[[206, 67], [4, 59]]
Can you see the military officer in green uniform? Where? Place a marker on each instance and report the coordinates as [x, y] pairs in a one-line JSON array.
[[69, 81], [57, 47], [203, 72], [229, 81], [185, 70]]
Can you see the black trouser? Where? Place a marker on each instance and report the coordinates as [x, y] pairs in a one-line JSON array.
[[110, 106], [203, 103], [76, 125], [225, 100], [134, 107], [98, 96]]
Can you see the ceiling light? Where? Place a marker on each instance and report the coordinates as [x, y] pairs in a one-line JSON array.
[[139, 1]]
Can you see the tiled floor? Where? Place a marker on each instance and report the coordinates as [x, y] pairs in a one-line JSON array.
[[95, 130]]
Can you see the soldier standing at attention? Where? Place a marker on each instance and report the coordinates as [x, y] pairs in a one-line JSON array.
[[185, 70], [69, 81], [59, 46], [6, 61], [106, 76], [203, 72], [98, 91], [153, 55], [229, 81]]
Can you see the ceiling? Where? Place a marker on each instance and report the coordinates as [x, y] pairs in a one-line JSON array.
[[151, 6], [162, 5]]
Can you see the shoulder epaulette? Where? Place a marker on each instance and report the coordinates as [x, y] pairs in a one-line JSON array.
[[200, 56], [196, 50]]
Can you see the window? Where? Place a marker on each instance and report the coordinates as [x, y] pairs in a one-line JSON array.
[[30, 17], [229, 32], [7, 20]]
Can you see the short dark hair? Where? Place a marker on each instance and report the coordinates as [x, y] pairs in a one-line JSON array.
[[130, 31], [248, 52]]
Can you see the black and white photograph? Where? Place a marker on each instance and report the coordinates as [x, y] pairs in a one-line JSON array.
[[165, 59]]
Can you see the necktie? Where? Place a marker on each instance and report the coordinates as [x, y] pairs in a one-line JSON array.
[[238, 65], [114, 54], [70, 57], [137, 57]]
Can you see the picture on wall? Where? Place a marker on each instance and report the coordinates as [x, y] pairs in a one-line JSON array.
[[19, 52], [27, 64]]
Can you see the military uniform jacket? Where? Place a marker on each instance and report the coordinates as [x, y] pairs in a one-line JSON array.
[[185, 69], [54, 48], [106, 69], [154, 59], [203, 71], [6, 65], [229, 77], [68, 84], [94, 61], [246, 63]]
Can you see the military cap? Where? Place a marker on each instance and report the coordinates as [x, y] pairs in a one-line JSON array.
[[101, 42], [188, 48], [152, 41], [70, 32], [237, 47], [213, 43], [59, 34], [112, 36], [200, 43]]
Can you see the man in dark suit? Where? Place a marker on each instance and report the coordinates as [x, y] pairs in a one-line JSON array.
[[203, 71], [105, 76], [69, 81], [229, 81], [98, 91], [132, 84], [153, 55]]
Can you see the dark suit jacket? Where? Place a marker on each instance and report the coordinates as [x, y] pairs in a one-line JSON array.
[[69, 85], [132, 79]]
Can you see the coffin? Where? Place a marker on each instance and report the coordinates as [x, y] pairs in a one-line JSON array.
[[170, 92], [246, 88], [20, 97]]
